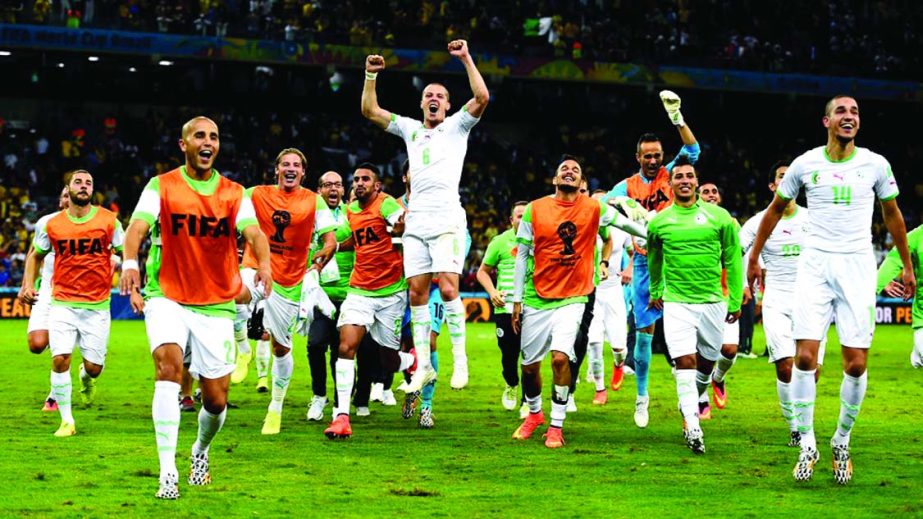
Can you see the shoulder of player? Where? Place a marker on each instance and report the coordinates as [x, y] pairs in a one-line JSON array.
[[44, 219]]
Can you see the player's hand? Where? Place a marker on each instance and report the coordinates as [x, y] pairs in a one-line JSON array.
[[603, 271], [732, 317], [910, 283], [398, 228], [894, 289], [459, 49], [671, 103], [754, 272], [27, 296], [748, 295], [129, 280], [263, 276], [656, 304], [137, 302], [517, 318], [631, 209], [496, 299], [374, 63], [626, 277]]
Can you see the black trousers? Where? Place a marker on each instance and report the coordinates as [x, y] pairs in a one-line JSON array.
[[582, 341], [510, 344], [323, 336]]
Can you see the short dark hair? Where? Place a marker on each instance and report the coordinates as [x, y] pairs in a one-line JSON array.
[[371, 167], [771, 176], [683, 160], [70, 175], [518, 203], [597, 191], [829, 106], [568, 156], [647, 137]]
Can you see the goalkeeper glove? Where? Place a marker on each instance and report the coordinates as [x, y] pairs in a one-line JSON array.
[[632, 209], [671, 103]]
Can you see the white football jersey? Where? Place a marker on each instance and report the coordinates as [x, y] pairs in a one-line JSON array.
[[620, 241], [48, 261], [781, 251], [437, 156], [841, 196]]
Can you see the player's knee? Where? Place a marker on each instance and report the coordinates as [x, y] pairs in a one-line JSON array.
[[346, 351], [531, 370], [61, 363], [559, 362], [93, 370], [169, 372], [729, 351], [854, 367], [214, 404], [805, 359], [36, 346], [279, 350], [685, 362]]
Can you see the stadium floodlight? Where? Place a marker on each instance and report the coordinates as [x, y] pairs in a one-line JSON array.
[[132, 69], [5, 53], [60, 65], [165, 63], [93, 59]]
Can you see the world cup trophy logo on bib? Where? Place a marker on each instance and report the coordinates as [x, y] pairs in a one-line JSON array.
[[567, 231], [281, 220]]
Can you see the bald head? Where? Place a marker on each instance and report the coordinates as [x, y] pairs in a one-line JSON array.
[[330, 188], [191, 124]]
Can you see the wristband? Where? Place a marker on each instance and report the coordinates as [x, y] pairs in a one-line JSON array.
[[370, 76], [130, 264]]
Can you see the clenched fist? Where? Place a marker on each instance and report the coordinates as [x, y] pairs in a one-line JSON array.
[[374, 63], [458, 48]]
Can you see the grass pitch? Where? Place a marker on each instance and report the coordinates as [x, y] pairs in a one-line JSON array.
[[467, 465]]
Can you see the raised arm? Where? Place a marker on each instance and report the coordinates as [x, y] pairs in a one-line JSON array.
[[477, 104], [894, 221], [770, 218], [370, 109]]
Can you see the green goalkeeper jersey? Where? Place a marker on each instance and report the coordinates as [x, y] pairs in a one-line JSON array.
[[892, 266], [687, 248]]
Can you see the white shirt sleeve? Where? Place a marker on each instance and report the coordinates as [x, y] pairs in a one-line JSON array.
[[748, 233], [148, 203], [462, 121], [245, 212], [118, 235], [791, 183], [41, 241], [394, 217], [885, 184], [402, 126], [323, 218]]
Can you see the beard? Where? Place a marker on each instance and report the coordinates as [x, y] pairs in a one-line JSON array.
[[567, 188], [81, 202]]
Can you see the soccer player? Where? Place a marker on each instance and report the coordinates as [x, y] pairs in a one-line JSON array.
[[887, 272], [189, 301], [434, 235], [501, 255], [83, 237], [687, 245], [290, 216], [334, 282], [709, 193], [555, 264], [836, 270], [780, 256], [37, 328], [650, 187], [376, 296], [610, 315]]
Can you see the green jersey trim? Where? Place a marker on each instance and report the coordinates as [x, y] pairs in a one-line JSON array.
[[85, 218], [381, 292], [202, 187], [99, 305], [846, 159], [291, 293]]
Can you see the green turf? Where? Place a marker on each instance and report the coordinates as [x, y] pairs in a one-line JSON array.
[[467, 465]]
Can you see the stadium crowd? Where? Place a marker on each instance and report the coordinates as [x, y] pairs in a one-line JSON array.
[[840, 37], [505, 163]]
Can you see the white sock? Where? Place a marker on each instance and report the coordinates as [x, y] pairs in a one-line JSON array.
[[618, 356], [702, 381], [784, 390], [420, 328], [282, 368], [346, 377], [722, 367], [455, 318], [559, 405], [209, 425], [61, 387], [406, 360], [688, 396], [852, 392], [166, 417], [240, 336], [804, 393], [262, 358], [535, 403], [595, 356]]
